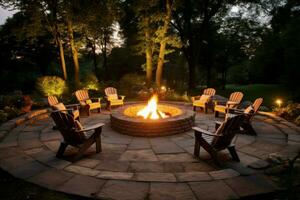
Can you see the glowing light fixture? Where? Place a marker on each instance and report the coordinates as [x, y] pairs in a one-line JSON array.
[[278, 102]]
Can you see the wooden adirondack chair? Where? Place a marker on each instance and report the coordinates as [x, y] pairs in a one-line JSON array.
[[113, 99], [249, 113], [75, 135], [56, 105], [87, 104], [204, 101], [221, 139], [233, 102]]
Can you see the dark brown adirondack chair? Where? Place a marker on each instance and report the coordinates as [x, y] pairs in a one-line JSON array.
[[221, 139], [75, 135], [249, 113]]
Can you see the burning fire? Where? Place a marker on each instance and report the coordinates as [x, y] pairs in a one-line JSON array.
[[151, 111]]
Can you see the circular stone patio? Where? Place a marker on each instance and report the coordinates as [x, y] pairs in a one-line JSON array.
[[144, 168]]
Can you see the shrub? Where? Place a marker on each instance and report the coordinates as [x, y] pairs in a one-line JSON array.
[[90, 82], [297, 121], [131, 84], [51, 85], [11, 112], [3, 116]]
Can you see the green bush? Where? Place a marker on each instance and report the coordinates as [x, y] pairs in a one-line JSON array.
[[11, 112], [90, 82], [51, 85], [131, 84], [3, 116], [297, 121]]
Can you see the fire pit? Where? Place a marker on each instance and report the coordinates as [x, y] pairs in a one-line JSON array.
[[152, 119]]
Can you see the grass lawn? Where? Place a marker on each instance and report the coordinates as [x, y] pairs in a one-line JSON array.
[[269, 92]]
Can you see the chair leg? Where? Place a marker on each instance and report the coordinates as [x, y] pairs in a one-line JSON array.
[[205, 108], [194, 108], [197, 145], [85, 146], [233, 153], [98, 144], [216, 113], [99, 110], [248, 128], [61, 149]]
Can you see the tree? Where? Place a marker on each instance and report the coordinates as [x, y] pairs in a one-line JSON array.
[[44, 15]]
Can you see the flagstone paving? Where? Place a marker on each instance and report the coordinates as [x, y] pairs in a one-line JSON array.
[[145, 168]]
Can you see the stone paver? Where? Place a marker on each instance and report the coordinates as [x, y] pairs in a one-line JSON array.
[[170, 191], [159, 177], [112, 165], [193, 176], [51, 179], [146, 168], [138, 155], [213, 190], [223, 174], [82, 170], [82, 185], [125, 190], [250, 185], [115, 175]]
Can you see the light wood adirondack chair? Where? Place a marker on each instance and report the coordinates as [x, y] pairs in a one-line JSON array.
[[113, 99], [75, 135], [233, 102], [249, 113], [204, 101], [87, 104], [221, 139], [56, 105]]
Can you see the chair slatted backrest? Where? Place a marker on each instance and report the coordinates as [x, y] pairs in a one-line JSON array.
[[236, 97], [228, 130], [52, 100], [82, 95], [253, 108], [111, 93], [66, 124], [209, 91], [257, 103]]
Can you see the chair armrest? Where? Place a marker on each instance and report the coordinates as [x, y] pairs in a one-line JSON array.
[[122, 97], [98, 99], [231, 103], [218, 124], [194, 98], [70, 111], [236, 111], [197, 129], [75, 105], [216, 102], [90, 128]]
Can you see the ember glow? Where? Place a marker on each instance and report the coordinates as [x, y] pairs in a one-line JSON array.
[[151, 111]]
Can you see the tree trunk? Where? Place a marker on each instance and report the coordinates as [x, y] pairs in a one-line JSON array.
[[62, 57], [104, 54], [149, 55], [161, 56], [74, 53], [192, 67], [94, 56]]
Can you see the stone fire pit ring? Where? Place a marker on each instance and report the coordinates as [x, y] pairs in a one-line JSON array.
[[135, 126]]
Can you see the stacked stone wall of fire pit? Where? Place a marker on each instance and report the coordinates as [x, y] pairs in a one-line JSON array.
[[151, 128]]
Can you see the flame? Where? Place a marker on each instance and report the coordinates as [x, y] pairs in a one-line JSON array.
[[151, 111]]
